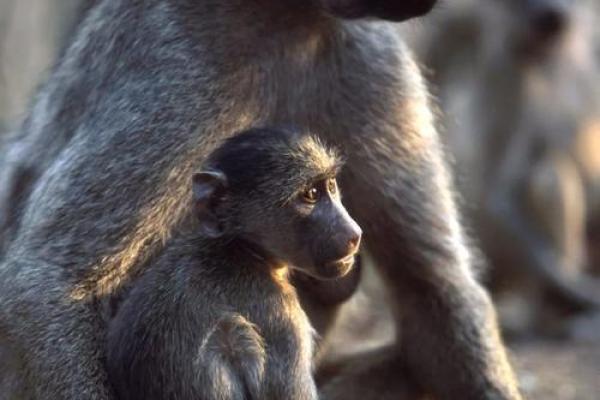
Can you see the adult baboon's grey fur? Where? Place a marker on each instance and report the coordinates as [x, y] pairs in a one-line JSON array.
[[145, 91]]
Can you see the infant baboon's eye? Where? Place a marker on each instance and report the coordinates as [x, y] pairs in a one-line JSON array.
[[332, 186], [311, 195]]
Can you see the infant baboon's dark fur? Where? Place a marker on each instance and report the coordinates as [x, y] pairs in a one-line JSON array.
[[216, 317]]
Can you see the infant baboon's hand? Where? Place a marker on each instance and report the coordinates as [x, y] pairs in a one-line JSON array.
[[231, 360]]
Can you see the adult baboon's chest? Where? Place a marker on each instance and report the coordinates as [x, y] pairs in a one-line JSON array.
[[343, 84]]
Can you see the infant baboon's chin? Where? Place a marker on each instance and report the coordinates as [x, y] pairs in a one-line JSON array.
[[329, 270], [335, 269]]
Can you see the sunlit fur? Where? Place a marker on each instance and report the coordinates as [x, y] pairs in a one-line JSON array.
[[288, 157]]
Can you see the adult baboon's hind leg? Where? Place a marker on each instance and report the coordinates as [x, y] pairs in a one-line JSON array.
[[396, 187]]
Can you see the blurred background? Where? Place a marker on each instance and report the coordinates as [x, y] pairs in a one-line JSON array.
[[516, 85]]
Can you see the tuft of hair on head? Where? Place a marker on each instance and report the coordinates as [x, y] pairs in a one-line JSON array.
[[253, 159]]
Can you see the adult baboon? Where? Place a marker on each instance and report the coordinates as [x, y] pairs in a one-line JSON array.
[[525, 133], [147, 89]]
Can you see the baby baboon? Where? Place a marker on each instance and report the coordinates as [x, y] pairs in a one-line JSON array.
[[141, 96], [216, 316]]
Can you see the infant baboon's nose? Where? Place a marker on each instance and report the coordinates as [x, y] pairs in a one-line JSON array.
[[354, 240], [353, 244]]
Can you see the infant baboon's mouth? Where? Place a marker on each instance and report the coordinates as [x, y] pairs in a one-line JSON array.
[[340, 267], [348, 259]]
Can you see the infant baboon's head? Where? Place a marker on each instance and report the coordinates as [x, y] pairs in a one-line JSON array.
[[276, 189]]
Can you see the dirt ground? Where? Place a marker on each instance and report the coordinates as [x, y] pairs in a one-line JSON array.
[[558, 371]]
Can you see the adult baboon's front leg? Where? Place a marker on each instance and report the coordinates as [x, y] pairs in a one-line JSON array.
[[397, 188]]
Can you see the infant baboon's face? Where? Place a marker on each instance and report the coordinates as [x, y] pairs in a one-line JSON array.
[[313, 232], [277, 189]]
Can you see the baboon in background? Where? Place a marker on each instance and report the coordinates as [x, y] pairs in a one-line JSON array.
[[527, 152], [147, 89], [267, 201]]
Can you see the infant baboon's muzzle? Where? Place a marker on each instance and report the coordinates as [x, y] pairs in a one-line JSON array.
[[345, 245]]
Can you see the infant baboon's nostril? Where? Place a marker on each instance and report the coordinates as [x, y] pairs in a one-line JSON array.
[[354, 242]]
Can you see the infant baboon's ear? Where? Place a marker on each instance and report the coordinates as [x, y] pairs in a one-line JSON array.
[[208, 188]]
